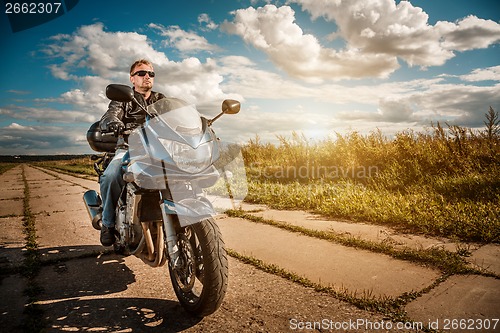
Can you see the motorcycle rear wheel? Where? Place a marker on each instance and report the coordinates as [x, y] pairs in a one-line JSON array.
[[200, 281]]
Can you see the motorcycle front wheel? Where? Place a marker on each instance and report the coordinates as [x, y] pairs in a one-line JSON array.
[[200, 277]]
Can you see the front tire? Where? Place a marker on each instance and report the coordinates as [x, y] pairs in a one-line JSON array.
[[201, 276]]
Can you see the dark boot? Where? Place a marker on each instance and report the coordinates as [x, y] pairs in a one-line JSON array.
[[107, 235]]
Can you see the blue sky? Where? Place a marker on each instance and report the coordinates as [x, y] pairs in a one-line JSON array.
[[315, 67]]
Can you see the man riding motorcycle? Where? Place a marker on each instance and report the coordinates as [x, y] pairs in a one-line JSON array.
[[163, 173], [119, 115]]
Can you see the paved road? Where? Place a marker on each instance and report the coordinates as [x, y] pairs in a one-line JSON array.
[[86, 289]]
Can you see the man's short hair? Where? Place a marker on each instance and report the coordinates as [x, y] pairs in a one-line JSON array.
[[138, 63]]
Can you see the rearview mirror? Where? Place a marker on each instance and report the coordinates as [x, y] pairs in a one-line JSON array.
[[119, 93], [231, 106]]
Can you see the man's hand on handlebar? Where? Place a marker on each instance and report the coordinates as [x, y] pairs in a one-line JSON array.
[[115, 127]]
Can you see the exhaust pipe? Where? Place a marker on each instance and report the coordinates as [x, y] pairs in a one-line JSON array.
[[93, 203]]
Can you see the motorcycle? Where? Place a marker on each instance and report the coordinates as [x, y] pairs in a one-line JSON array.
[[166, 211]]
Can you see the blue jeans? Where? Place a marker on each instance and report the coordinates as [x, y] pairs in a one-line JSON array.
[[111, 183]]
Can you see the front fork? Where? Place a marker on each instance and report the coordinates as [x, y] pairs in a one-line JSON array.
[[170, 233]]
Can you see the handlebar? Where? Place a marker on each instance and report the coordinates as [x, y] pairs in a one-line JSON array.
[[116, 133], [123, 131]]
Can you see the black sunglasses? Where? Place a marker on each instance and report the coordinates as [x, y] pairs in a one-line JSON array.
[[143, 73]]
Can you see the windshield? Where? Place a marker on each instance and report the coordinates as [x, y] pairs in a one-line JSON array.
[[178, 115]]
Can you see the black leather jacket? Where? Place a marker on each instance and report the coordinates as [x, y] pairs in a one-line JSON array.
[[128, 112]]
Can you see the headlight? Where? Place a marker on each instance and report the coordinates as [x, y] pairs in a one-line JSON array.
[[189, 159]]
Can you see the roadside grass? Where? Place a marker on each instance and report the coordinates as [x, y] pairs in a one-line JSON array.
[[421, 210], [80, 166], [6, 166], [33, 321]]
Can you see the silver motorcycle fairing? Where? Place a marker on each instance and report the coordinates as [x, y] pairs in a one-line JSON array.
[[189, 210], [177, 144], [178, 151]]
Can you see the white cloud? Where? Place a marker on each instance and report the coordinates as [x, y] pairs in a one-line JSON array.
[[47, 114], [107, 57], [191, 80], [382, 27], [90, 98], [462, 104], [204, 19], [19, 92], [39, 140], [103, 53], [16, 126], [483, 74], [243, 76], [469, 33], [459, 104], [184, 41], [274, 31]]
